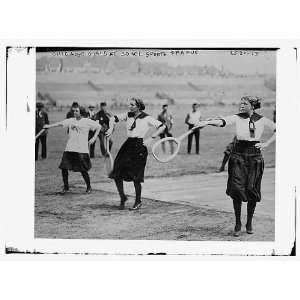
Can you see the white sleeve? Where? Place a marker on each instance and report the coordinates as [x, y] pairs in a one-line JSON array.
[[270, 124], [66, 123], [153, 122], [120, 117], [94, 125], [230, 120]]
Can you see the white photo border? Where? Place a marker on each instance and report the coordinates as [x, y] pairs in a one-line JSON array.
[[20, 188]]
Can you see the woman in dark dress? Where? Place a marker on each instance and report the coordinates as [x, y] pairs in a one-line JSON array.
[[131, 159], [246, 164]]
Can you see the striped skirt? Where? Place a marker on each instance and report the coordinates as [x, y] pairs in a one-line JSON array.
[[245, 171]]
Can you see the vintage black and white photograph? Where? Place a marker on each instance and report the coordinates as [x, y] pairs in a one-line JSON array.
[[163, 144]]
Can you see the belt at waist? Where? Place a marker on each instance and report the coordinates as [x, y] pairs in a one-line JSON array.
[[246, 147]]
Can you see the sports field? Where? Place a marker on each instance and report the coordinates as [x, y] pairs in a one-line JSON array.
[[163, 216]]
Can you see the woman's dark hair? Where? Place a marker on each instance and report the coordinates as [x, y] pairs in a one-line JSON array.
[[255, 101], [75, 104], [139, 103]]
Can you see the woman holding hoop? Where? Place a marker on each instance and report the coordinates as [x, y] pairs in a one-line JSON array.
[[246, 164], [131, 159]]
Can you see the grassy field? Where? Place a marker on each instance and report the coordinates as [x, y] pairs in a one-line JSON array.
[[212, 143]]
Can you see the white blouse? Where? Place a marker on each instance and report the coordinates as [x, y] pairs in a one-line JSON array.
[[78, 133], [242, 127], [142, 125]]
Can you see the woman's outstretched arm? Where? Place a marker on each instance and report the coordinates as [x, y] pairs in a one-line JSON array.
[[57, 124], [212, 122]]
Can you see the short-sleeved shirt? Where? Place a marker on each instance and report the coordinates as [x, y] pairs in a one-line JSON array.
[[242, 126], [143, 123], [78, 133]]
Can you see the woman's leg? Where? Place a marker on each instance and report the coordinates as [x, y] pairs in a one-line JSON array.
[[120, 188], [237, 206], [102, 143], [65, 176], [86, 178], [190, 138], [250, 212], [138, 193], [256, 169]]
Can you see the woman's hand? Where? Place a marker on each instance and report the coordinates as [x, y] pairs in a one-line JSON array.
[[92, 141], [147, 142], [109, 132], [202, 124], [261, 146], [46, 126]]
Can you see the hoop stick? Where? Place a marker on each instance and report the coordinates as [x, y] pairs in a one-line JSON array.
[[40, 133], [109, 161], [177, 140]]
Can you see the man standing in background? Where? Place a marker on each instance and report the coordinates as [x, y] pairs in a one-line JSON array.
[[41, 119], [103, 117], [191, 120], [167, 119]]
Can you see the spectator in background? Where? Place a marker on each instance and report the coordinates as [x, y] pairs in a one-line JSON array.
[[41, 119], [103, 117], [191, 120], [91, 114], [70, 113]]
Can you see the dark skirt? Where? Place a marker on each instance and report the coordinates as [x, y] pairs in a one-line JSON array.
[[245, 171], [130, 161], [75, 161]]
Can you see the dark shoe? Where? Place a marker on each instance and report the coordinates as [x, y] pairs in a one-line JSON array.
[[249, 229], [122, 203], [136, 206], [88, 190], [64, 191], [237, 230]]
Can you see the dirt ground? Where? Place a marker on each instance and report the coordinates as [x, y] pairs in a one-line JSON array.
[[96, 216]]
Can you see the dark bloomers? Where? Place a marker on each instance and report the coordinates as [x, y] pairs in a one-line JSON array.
[[245, 170]]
